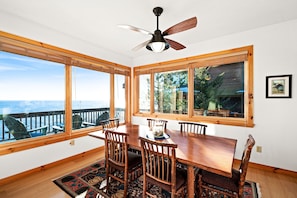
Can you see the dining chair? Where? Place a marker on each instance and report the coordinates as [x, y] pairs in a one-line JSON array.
[[159, 168], [211, 184], [190, 127], [152, 122], [119, 161], [110, 123]]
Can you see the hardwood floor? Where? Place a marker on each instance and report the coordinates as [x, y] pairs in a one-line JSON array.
[[273, 185]]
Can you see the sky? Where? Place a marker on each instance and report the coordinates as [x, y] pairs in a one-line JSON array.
[[25, 78]]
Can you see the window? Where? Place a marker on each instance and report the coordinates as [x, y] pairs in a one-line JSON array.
[[144, 93], [46, 88], [33, 93], [214, 88], [90, 96], [171, 92], [119, 97], [219, 90]]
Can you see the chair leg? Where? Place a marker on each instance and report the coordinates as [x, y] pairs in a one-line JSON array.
[[125, 183], [107, 178], [200, 186], [144, 187]]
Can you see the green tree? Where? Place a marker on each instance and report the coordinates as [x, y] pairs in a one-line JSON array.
[[206, 87], [166, 83]]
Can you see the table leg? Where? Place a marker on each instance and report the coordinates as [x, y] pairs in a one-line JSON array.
[[191, 181]]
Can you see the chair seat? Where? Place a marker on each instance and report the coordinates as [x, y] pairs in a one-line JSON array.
[[134, 160], [181, 179], [221, 182]]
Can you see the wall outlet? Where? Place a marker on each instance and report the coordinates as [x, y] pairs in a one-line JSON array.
[[259, 149], [72, 142]]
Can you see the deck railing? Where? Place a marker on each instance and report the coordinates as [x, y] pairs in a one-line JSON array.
[[35, 120]]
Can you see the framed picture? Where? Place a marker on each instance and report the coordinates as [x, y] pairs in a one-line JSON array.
[[279, 86]]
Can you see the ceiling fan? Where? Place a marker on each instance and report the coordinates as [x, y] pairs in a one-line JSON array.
[[158, 43]]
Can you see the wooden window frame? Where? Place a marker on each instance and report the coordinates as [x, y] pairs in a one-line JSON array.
[[27, 47], [244, 54]]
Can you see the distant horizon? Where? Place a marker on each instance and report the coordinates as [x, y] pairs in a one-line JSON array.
[[27, 106]]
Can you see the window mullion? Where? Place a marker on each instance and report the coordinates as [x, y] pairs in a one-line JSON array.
[[190, 91]]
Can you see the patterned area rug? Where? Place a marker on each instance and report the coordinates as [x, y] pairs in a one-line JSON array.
[[89, 182]]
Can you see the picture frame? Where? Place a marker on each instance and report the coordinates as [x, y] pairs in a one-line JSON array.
[[279, 86]]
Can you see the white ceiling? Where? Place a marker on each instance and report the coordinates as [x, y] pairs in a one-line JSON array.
[[95, 21]]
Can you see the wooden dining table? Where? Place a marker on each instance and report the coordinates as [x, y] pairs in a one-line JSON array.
[[208, 152]]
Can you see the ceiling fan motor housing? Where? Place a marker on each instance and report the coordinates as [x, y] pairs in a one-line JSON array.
[[157, 37]]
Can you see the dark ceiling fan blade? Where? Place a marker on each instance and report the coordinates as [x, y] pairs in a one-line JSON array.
[[182, 26], [130, 27], [141, 45], [175, 45]]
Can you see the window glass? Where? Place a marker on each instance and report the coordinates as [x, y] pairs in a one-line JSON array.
[[144, 93], [219, 90], [171, 92], [32, 99], [119, 97], [90, 97]]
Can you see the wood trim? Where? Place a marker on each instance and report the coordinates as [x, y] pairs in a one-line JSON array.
[[250, 89], [29, 143], [190, 93], [111, 99], [47, 166], [152, 90], [269, 168], [135, 93], [236, 53], [128, 105], [68, 99]]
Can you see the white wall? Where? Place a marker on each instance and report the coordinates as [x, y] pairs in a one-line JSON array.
[[275, 49], [275, 53], [18, 162]]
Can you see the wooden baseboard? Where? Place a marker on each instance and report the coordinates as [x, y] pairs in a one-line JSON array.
[[269, 168], [47, 166]]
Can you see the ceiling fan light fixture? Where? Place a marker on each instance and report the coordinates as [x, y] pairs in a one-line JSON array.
[[158, 43], [157, 46]]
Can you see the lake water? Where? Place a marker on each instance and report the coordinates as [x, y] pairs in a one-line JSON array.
[[26, 106]]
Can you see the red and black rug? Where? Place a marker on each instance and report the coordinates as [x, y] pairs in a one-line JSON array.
[[89, 180]]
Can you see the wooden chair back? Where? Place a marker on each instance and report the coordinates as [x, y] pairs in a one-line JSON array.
[[110, 123], [152, 122], [245, 161], [190, 127], [159, 165], [116, 156]]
